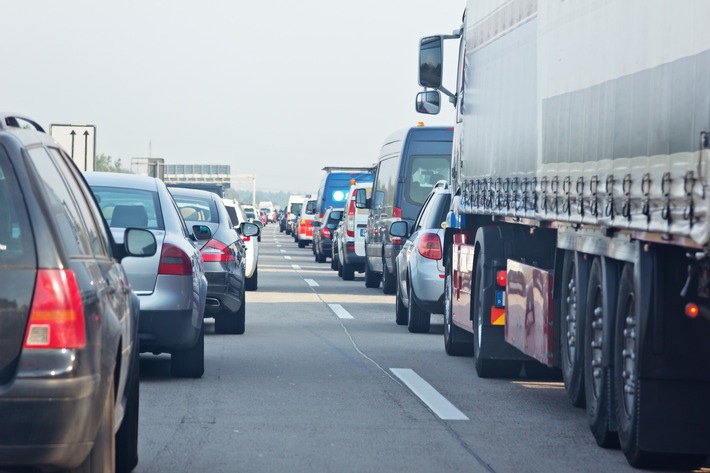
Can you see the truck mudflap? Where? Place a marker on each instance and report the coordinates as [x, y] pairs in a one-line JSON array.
[[529, 311]]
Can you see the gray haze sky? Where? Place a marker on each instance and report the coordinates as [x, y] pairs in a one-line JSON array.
[[276, 88]]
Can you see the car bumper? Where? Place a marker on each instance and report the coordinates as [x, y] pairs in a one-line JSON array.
[[224, 292], [428, 287], [349, 256]]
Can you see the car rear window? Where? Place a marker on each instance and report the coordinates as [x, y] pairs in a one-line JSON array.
[[197, 209], [16, 240], [296, 208], [423, 173], [122, 207]]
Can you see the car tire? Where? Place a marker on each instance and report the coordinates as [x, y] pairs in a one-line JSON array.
[[334, 262], [252, 283], [401, 314], [301, 244], [348, 272], [389, 281], [372, 279], [127, 435], [321, 258], [419, 320], [189, 363], [232, 323], [102, 456]]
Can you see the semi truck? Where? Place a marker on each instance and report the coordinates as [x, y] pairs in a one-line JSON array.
[[578, 233]]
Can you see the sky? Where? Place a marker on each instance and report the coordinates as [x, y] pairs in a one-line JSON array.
[[275, 88]]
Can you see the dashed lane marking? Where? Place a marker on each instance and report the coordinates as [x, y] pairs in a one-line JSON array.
[[429, 396], [340, 311], [311, 282], [295, 266], [287, 257]]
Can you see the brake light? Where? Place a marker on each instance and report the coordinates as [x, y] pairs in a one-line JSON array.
[[246, 238], [396, 240], [321, 216], [397, 212], [430, 246], [350, 220], [501, 277], [692, 310], [325, 232], [217, 251], [57, 316], [174, 261]]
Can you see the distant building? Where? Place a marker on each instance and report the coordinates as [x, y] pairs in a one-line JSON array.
[[153, 167]]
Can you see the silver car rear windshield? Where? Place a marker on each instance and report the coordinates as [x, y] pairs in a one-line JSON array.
[[196, 209], [135, 208]]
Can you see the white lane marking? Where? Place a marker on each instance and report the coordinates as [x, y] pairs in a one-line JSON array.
[[430, 396], [287, 257], [295, 266], [339, 311], [311, 282], [282, 251], [279, 246]]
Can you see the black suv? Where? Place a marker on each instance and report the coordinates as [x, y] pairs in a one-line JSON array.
[[68, 318]]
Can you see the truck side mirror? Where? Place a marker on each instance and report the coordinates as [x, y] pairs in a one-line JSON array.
[[431, 59], [428, 102], [361, 199]]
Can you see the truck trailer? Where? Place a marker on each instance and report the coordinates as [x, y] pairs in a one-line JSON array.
[[578, 233]]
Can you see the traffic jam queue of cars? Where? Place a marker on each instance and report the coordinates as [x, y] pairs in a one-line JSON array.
[[125, 265]]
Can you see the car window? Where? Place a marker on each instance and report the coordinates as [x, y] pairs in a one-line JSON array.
[[97, 236], [439, 208], [197, 209], [423, 172], [232, 215], [387, 175], [123, 207], [422, 217], [16, 239], [62, 206]]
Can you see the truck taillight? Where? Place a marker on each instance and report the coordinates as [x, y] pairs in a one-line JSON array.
[[325, 232], [501, 277], [217, 251], [430, 246], [174, 261], [57, 316]]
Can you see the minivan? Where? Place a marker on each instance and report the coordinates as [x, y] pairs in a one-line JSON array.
[[410, 163], [335, 185]]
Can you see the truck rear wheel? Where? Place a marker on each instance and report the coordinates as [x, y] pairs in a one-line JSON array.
[[571, 331]]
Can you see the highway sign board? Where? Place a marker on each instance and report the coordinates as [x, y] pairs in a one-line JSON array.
[[79, 141]]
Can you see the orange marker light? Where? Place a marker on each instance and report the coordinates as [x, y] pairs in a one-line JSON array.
[[420, 123], [692, 310], [501, 277]]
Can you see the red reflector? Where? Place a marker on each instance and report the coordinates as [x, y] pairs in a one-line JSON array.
[[397, 212], [246, 238], [350, 245], [501, 277], [174, 261], [396, 240], [215, 250], [692, 310], [57, 316], [430, 246]]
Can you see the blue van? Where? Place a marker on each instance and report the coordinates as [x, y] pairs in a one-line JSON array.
[[411, 162], [335, 185]]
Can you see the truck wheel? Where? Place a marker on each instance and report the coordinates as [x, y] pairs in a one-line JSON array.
[[127, 435], [629, 387], [252, 283], [401, 314], [453, 335], [419, 320], [485, 367], [598, 380], [389, 282], [348, 272], [536, 370], [372, 279], [102, 455], [571, 331], [189, 363]]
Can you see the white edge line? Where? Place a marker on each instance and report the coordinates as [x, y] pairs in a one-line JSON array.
[[340, 311], [430, 396]]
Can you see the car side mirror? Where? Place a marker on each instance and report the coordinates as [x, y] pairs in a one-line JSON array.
[[249, 229], [399, 229], [201, 232], [139, 242], [361, 200]]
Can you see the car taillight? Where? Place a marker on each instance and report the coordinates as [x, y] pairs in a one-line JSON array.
[[321, 216], [57, 316], [350, 220], [325, 232], [215, 250], [174, 261], [397, 212], [246, 238], [430, 246]]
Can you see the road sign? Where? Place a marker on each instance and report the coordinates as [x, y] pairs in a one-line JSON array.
[[79, 141]]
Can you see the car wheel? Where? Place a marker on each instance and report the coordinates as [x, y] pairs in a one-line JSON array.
[[228, 322], [252, 283], [340, 268], [189, 363], [321, 258], [103, 453], [372, 279], [419, 319], [334, 262], [301, 244], [401, 315], [389, 282], [127, 435]]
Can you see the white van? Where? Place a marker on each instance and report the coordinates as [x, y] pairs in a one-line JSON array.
[[351, 235], [293, 208]]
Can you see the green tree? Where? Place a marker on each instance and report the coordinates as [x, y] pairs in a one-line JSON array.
[[105, 163]]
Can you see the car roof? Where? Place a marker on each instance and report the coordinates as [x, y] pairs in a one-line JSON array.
[[193, 192], [117, 179]]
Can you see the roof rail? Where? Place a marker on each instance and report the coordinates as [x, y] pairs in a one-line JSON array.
[[349, 168], [13, 120], [442, 184]]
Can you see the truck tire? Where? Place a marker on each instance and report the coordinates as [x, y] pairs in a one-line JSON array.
[[598, 379], [102, 456], [457, 342], [419, 319], [252, 283], [372, 279], [389, 281], [348, 272], [486, 367], [127, 435], [189, 363], [401, 314], [571, 331]]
